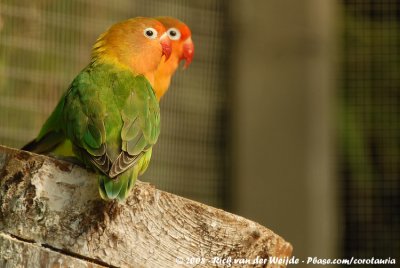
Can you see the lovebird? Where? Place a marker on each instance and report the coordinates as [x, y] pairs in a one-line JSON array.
[[109, 118], [182, 49]]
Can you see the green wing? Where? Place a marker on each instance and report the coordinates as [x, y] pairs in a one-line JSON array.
[[141, 125], [84, 116], [113, 119], [51, 134]]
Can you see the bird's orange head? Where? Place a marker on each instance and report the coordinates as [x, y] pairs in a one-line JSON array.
[[138, 44], [181, 38], [182, 49]]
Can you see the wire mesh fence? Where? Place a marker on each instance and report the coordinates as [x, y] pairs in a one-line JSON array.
[[370, 128], [44, 44]]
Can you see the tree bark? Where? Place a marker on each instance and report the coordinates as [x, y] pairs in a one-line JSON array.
[[17, 253], [51, 213]]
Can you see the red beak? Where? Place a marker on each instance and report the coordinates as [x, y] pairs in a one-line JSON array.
[[166, 46], [188, 52]]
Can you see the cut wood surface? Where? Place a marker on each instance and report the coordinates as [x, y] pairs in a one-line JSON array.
[[51, 213]]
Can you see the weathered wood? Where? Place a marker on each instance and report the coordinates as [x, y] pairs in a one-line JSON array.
[[16, 253], [56, 205]]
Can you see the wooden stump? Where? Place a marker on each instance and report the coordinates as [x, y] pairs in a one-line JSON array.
[[51, 215]]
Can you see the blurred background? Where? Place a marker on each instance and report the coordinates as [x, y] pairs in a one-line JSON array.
[[289, 114]]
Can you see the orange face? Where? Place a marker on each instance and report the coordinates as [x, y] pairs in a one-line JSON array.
[[181, 38], [138, 44], [182, 49]]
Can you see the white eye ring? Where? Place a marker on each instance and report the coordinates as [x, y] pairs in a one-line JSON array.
[[174, 34], [150, 33]]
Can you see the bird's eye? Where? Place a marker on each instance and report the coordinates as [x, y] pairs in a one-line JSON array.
[[150, 33], [174, 34]]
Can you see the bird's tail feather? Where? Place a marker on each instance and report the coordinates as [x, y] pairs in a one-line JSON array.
[[117, 188]]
